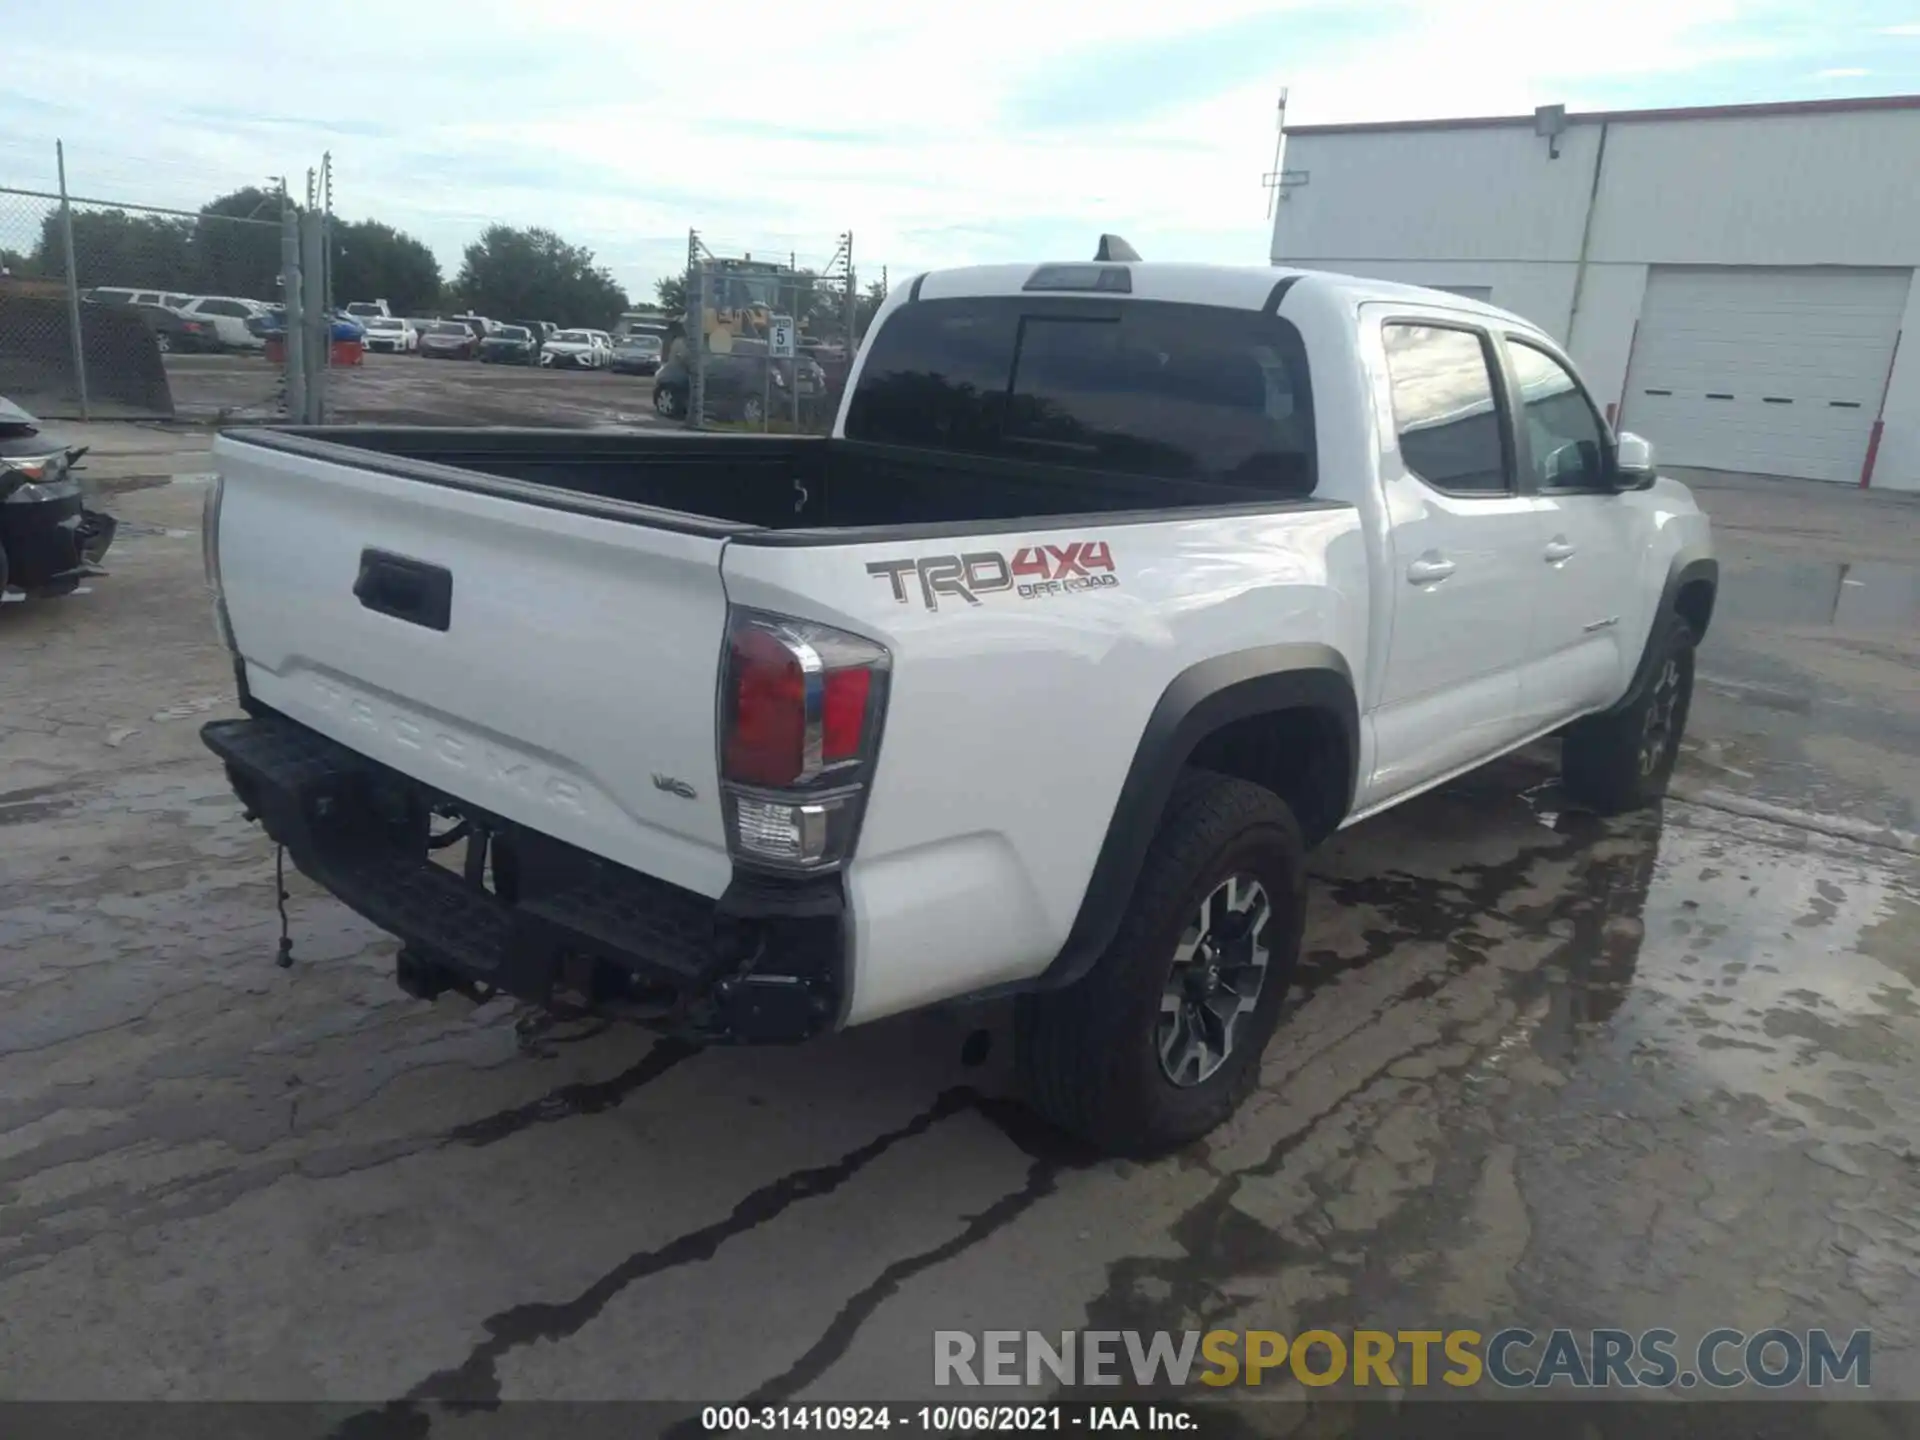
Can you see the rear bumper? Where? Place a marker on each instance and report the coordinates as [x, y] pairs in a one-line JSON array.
[[763, 964]]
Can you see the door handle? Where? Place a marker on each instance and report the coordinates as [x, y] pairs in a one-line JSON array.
[[1429, 572], [1558, 550]]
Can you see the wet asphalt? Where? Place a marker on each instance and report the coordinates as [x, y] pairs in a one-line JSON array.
[[1541, 1070]]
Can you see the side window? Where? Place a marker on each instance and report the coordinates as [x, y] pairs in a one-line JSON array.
[[1444, 410], [1566, 442]]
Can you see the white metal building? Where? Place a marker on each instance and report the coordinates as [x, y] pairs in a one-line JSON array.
[[1733, 281]]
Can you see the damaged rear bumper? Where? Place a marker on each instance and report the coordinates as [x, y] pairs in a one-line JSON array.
[[530, 916]]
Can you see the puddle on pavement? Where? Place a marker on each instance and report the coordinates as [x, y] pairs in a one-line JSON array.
[[1735, 962], [1871, 595], [1727, 954]]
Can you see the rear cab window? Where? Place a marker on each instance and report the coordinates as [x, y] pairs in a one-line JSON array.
[[1174, 391]]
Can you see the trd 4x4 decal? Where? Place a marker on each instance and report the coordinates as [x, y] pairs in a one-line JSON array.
[[1033, 571]]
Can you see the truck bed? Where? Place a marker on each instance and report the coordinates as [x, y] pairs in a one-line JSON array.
[[771, 488]]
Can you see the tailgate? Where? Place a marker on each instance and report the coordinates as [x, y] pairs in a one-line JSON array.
[[555, 668]]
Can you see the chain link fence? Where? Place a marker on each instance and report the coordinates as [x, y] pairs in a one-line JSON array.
[[767, 343], [113, 310]]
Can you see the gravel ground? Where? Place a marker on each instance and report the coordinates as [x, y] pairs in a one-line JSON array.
[[407, 390]]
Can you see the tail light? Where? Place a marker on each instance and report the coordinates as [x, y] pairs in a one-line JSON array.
[[800, 713]]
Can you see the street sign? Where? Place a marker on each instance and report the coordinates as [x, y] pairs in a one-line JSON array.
[[780, 337]]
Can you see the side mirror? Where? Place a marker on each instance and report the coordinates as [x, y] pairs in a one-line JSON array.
[[1633, 464]]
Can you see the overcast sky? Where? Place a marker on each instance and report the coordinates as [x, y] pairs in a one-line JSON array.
[[937, 134]]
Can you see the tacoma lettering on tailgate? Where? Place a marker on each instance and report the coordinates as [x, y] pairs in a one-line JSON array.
[[1031, 572]]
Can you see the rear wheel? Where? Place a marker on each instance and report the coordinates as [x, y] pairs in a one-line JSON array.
[[666, 402], [1161, 1041], [752, 411], [1624, 760]]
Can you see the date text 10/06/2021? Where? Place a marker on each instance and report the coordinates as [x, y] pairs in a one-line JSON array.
[[960, 1419]]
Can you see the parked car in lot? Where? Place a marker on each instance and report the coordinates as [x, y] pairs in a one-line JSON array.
[[449, 340], [178, 333], [1213, 561], [510, 345], [229, 315], [742, 385], [576, 349], [636, 354], [835, 363], [390, 334], [364, 310], [49, 540], [125, 295], [480, 325], [272, 321]]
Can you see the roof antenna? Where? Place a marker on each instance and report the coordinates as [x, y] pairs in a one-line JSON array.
[[1112, 247]]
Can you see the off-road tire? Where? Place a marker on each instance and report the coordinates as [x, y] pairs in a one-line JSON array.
[[1088, 1053], [1623, 760]]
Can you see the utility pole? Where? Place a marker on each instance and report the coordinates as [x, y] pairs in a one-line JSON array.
[[73, 282], [325, 278], [296, 330], [696, 332], [853, 295], [1279, 140]]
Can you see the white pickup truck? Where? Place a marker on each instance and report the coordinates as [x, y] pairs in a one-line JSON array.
[[1116, 587]]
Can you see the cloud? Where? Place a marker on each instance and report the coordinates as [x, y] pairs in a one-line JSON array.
[[1845, 72], [1002, 129]]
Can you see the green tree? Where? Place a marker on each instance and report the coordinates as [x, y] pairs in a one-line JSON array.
[[869, 305], [670, 291], [372, 261], [236, 244], [534, 274], [115, 247]]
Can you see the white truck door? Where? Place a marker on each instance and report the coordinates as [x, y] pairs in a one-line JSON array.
[[1587, 576], [1465, 546]]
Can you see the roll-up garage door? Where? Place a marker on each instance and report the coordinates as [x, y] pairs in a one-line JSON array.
[[1777, 372]]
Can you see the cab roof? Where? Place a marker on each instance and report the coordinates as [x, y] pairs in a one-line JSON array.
[[1243, 287]]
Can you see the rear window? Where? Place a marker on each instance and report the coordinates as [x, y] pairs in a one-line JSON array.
[[1142, 387]]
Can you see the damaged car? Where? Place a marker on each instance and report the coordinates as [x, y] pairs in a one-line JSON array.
[[49, 540]]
